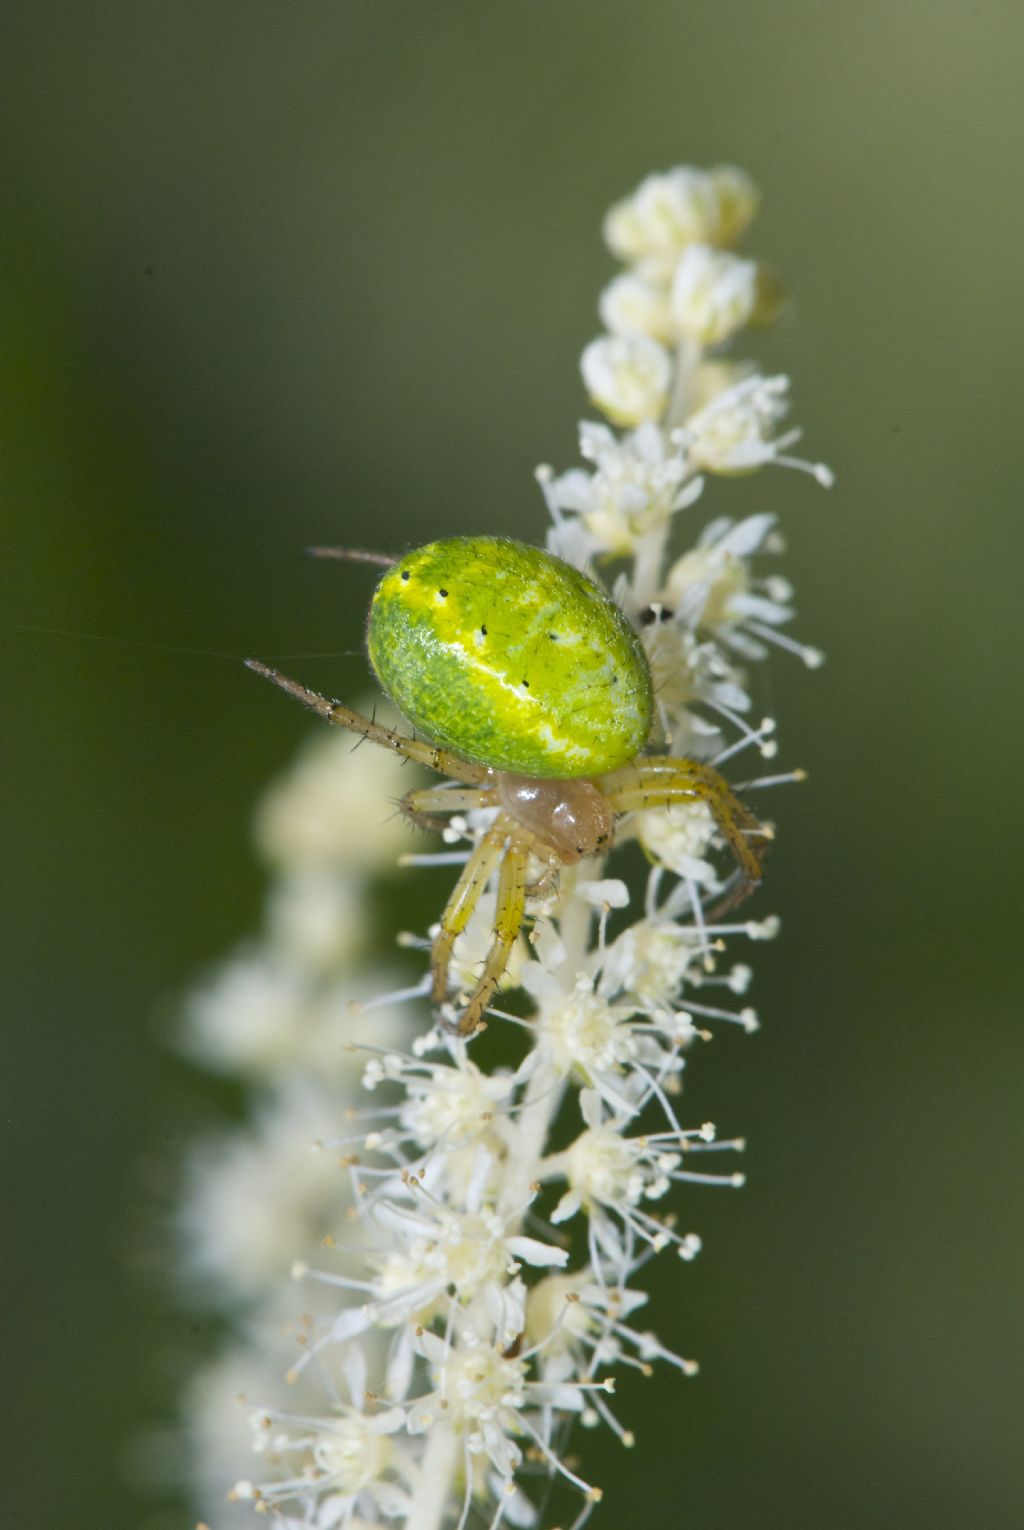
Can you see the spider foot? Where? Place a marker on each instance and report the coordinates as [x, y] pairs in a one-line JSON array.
[[467, 1022], [430, 822]]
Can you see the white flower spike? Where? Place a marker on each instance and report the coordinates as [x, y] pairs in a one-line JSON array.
[[440, 1263]]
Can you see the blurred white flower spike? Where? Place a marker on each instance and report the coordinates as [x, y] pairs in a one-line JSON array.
[[469, 1243]]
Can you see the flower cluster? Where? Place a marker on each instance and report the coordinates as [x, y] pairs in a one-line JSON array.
[[468, 1242], [277, 1017]]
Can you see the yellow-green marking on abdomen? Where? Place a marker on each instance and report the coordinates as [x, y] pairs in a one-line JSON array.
[[511, 658]]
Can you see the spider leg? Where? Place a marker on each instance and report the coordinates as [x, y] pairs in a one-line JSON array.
[[508, 921], [662, 780], [463, 900], [352, 555], [422, 807], [444, 761]]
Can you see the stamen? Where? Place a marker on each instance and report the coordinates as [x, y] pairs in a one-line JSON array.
[[787, 778], [760, 736], [812, 657]]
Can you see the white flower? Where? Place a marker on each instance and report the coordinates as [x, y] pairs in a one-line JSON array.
[[633, 305], [628, 377], [435, 1248], [318, 918], [248, 1015], [452, 1126], [217, 1444], [639, 482], [558, 1321], [581, 1031], [579, 1324], [335, 807], [610, 1175], [737, 202], [257, 1199], [712, 588], [687, 670], [668, 212], [356, 1450], [734, 432], [716, 374], [650, 961], [482, 1392], [453, 1104], [262, 1015], [485, 1396], [604, 1167], [341, 1466], [714, 294], [601, 1030], [709, 586], [678, 837]]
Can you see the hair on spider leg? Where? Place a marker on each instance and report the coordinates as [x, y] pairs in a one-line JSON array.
[[363, 737], [399, 811], [428, 822]]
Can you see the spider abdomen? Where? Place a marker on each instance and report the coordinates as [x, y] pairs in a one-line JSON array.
[[510, 657]]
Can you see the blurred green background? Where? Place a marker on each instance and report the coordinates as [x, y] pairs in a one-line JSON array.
[[275, 274]]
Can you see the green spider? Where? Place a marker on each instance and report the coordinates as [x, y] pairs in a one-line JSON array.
[[535, 695]]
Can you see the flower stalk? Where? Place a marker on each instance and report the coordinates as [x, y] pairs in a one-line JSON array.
[[470, 1244]]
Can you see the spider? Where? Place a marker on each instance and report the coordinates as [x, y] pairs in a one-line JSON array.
[[534, 697]]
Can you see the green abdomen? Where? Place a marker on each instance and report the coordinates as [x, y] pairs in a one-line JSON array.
[[511, 658]]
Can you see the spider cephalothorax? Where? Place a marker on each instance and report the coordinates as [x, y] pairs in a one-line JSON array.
[[536, 695]]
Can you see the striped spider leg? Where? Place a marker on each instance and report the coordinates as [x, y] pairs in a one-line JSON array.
[[505, 846], [653, 781]]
